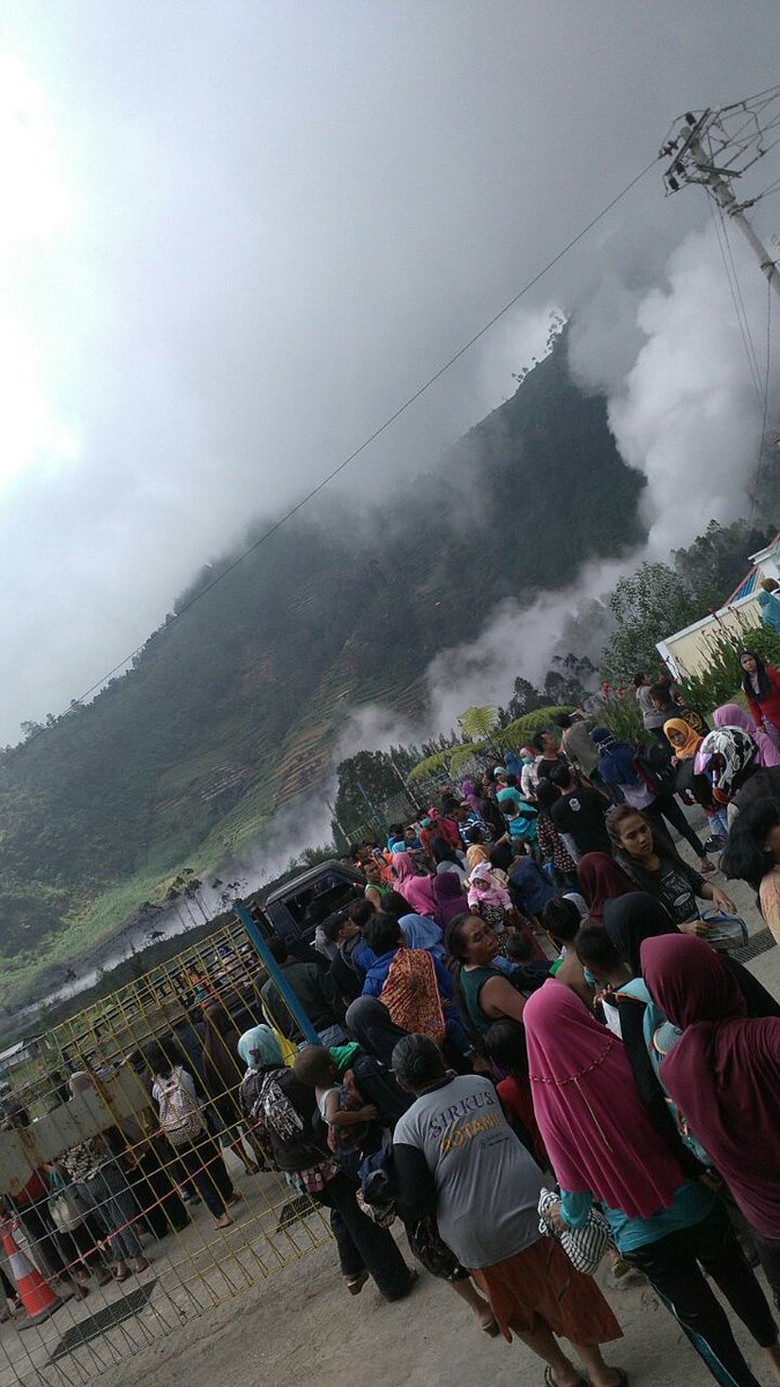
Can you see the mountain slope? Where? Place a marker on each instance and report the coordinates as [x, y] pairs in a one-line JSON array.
[[235, 707]]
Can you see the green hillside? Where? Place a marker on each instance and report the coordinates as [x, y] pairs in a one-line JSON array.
[[233, 708]]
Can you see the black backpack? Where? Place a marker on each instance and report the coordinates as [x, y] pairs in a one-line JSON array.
[[656, 769]]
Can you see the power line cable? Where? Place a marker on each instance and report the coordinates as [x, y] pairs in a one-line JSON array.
[[740, 296], [751, 360], [767, 373], [407, 404]]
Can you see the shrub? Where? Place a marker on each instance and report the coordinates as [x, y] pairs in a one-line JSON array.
[[517, 733], [723, 675], [621, 714], [440, 761]]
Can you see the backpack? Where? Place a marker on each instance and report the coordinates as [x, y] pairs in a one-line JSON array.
[[652, 764], [181, 1119]]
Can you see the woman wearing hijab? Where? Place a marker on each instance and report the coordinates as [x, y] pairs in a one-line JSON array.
[[602, 1145], [724, 1075], [415, 986], [761, 687], [222, 1073], [417, 890], [731, 715], [685, 743], [631, 919], [602, 880], [281, 1111], [449, 897]]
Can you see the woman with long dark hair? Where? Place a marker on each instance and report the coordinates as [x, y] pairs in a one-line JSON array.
[[654, 865], [753, 855], [761, 687]]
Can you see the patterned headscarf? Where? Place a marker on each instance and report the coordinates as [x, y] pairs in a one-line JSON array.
[[259, 1048]]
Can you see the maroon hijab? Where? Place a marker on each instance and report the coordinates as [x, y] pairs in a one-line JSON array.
[[602, 880], [724, 1071], [588, 1108]]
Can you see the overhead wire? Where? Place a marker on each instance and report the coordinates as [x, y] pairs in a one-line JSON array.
[[767, 375], [747, 341], [382, 428]]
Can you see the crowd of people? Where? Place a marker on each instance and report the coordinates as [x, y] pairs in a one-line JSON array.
[[534, 991], [544, 1021]]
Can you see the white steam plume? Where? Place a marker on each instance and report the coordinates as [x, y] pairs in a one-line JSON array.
[[685, 412]]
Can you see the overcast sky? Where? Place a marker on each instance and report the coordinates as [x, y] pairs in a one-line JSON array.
[[235, 236]]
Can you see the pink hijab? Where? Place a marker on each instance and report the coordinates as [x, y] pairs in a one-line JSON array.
[[590, 1114], [416, 890], [731, 715]]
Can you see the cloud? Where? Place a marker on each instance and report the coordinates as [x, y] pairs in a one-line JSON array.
[[283, 219]]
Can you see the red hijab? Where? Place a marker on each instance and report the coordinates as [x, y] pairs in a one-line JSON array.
[[590, 1114], [602, 880], [724, 1071]]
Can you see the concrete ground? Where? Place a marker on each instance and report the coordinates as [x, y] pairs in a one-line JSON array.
[[299, 1325]]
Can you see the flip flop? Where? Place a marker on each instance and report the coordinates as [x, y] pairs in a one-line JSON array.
[[550, 1380]]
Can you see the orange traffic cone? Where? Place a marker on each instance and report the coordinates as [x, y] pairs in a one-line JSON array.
[[37, 1296]]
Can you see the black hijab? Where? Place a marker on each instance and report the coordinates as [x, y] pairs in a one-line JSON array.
[[633, 918]]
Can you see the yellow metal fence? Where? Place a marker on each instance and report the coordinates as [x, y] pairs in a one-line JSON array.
[[193, 1007]]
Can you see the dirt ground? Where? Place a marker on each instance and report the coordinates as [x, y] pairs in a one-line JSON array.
[[300, 1324]]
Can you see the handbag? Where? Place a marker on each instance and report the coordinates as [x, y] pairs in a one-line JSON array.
[[584, 1246], [725, 931], [67, 1210]]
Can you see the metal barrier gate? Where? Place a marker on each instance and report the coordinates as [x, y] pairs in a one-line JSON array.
[[143, 1189]]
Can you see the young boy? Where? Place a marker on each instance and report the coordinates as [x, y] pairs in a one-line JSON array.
[[340, 1105]]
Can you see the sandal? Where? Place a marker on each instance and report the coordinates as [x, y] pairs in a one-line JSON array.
[[121, 1275], [550, 1380], [224, 1222], [355, 1284]]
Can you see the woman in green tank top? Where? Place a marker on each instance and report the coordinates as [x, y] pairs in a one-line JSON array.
[[487, 992]]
